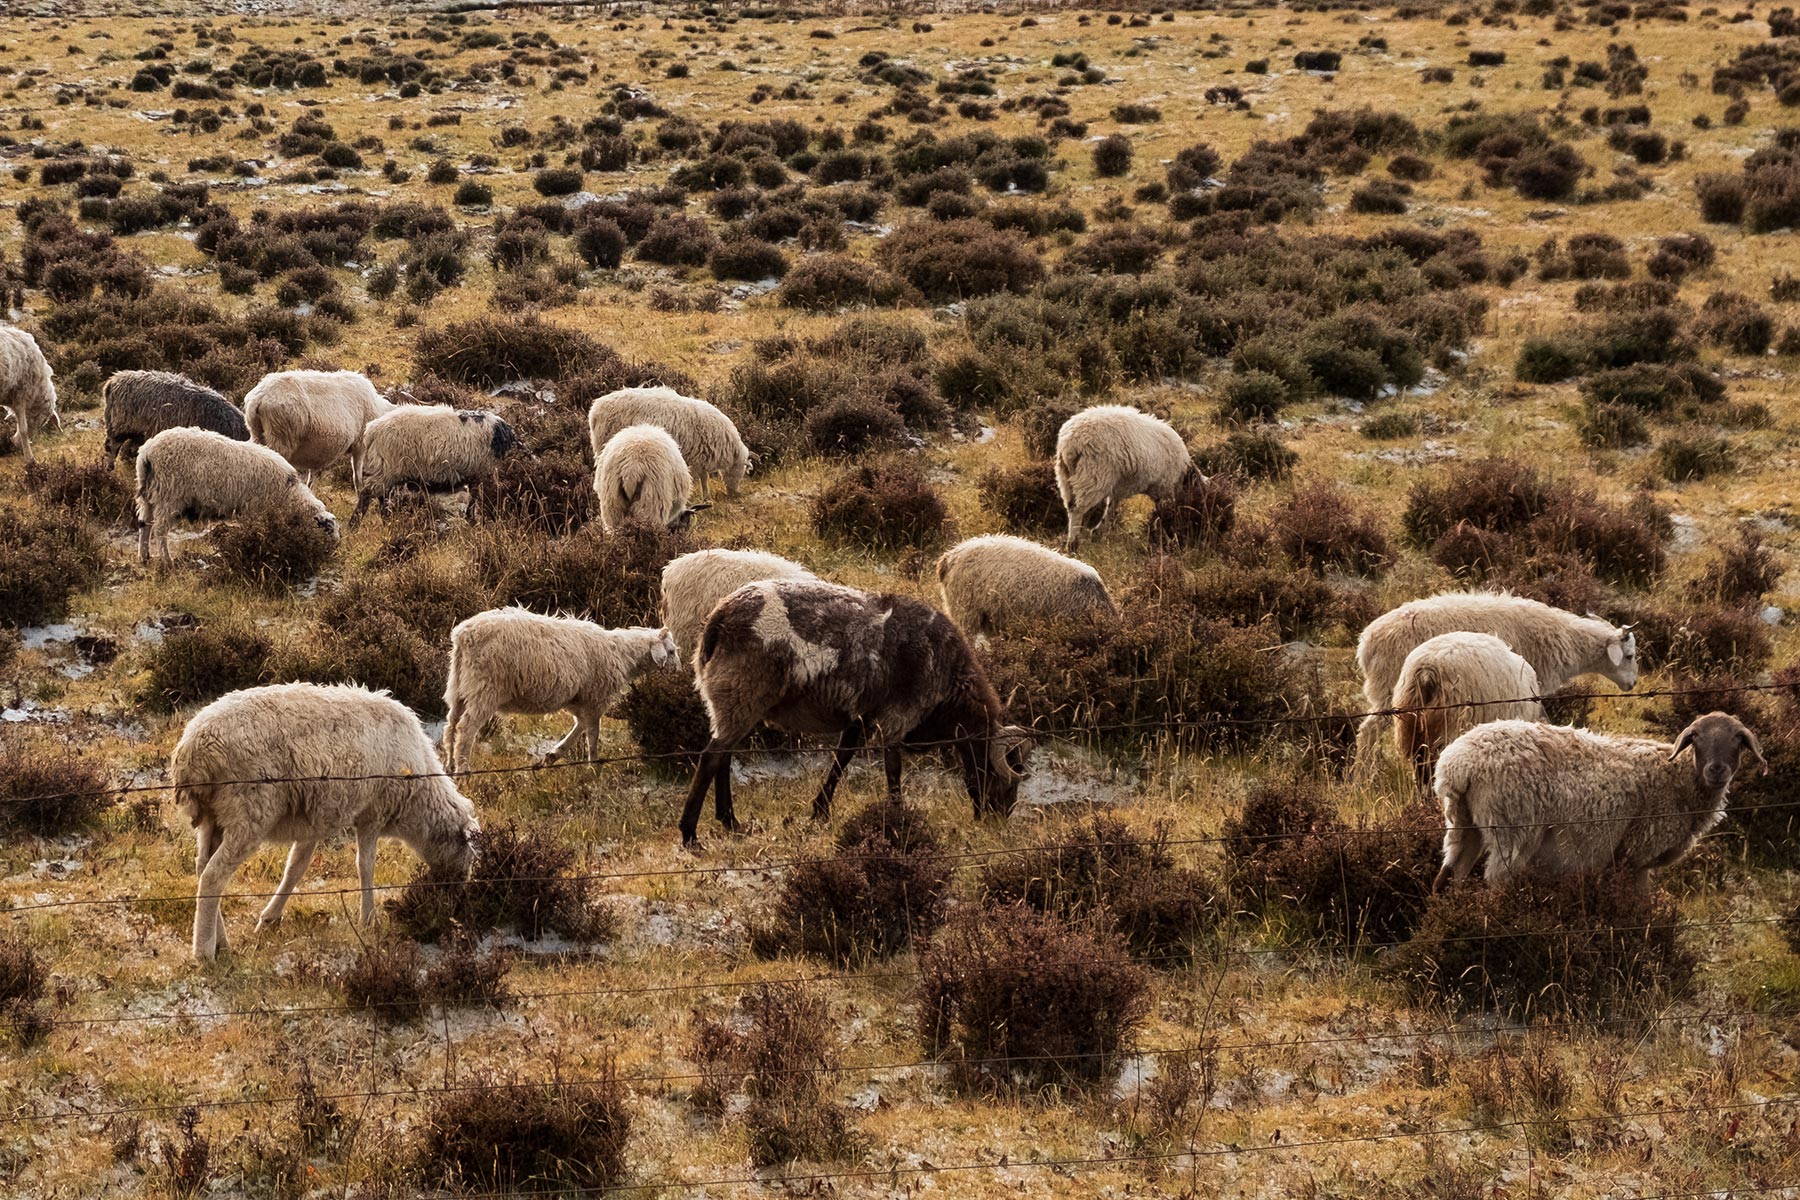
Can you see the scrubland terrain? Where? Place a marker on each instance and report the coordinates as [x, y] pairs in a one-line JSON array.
[[1440, 297]]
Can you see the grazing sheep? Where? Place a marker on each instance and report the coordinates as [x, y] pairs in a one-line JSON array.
[[314, 418], [1559, 799], [312, 744], [709, 441], [1559, 646], [1107, 454], [141, 404], [431, 446], [812, 657], [195, 473], [989, 581], [510, 660], [1454, 682], [640, 475], [27, 393], [693, 585]]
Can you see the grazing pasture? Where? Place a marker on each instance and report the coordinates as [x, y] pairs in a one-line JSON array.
[[1439, 298]]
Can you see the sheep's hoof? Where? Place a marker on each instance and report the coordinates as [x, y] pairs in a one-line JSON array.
[[692, 844], [267, 923]]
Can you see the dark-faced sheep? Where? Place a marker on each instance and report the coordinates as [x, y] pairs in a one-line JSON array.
[[431, 447], [1558, 799], [301, 762], [141, 404], [27, 392], [812, 657]]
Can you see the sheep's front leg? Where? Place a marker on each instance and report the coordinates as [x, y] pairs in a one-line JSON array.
[[705, 487], [890, 759], [572, 738], [209, 926], [713, 772], [300, 856], [366, 840], [848, 743], [144, 525]]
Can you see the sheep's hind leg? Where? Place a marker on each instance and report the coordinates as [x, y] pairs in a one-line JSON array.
[[300, 856], [890, 761], [366, 841], [228, 855], [1462, 848], [713, 772]]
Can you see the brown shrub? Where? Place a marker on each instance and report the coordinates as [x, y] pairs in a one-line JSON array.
[[272, 550], [1200, 512], [550, 494], [491, 1136], [1742, 573], [828, 282], [203, 662], [48, 790], [1024, 498], [23, 978], [1011, 997], [523, 881], [956, 260], [87, 489], [486, 352], [45, 558], [886, 507], [613, 580], [1573, 945], [1319, 527], [1098, 868]]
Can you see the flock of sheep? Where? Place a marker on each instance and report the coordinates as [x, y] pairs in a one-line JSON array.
[[768, 641]]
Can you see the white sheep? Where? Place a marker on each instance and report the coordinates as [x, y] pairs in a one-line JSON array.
[[430, 446], [1453, 682], [27, 392], [693, 585], [990, 581], [314, 418], [195, 473], [640, 475], [318, 760], [709, 441], [1106, 454], [1559, 646], [1557, 799], [512, 661]]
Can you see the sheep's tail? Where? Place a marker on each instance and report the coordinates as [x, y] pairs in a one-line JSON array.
[[709, 642], [193, 798], [145, 472], [1066, 462], [253, 421], [1423, 689]]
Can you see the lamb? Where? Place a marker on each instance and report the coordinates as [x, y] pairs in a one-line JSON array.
[[1559, 646], [186, 472], [327, 758], [693, 585], [431, 446], [813, 657], [27, 393], [141, 404], [990, 581], [1559, 799], [1107, 454], [314, 418], [709, 441], [510, 660], [1448, 672], [641, 476]]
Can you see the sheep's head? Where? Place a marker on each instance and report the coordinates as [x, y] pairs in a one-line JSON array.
[[685, 517], [663, 653], [1719, 741], [1006, 767], [1621, 664]]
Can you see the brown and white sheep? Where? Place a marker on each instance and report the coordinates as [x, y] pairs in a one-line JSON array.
[[508, 660], [693, 585], [812, 657], [1452, 683], [314, 418], [429, 446], [1109, 453], [1558, 799], [141, 404], [990, 581], [709, 442], [318, 760], [641, 476], [27, 391], [195, 473], [1559, 646]]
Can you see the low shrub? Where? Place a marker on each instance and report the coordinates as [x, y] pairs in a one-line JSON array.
[[1355, 884], [1319, 527], [1701, 640], [272, 550], [552, 494], [1742, 573], [46, 557], [47, 791], [1112, 156], [851, 425], [1574, 945], [390, 978], [1253, 395], [956, 260], [90, 490], [779, 1045], [1200, 511], [1736, 323], [600, 242], [377, 648], [23, 979], [1011, 997], [1298, 603], [885, 887], [486, 352], [1683, 458], [1024, 498], [496, 1136], [203, 662], [558, 181], [828, 282], [885, 507], [1254, 456], [677, 240], [614, 580], [519, 880], [1098, 868], [748, 258]]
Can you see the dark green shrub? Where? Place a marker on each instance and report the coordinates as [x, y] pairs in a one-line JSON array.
[[88, 489], [851, 425], [676, 240], [748, 258], [1254, 456]]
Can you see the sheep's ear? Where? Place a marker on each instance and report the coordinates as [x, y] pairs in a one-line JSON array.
[[1682, 743], [1755, 747], [1616, 653], [694, 508]]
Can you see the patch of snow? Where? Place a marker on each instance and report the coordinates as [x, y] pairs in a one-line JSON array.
[[36, 637]]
